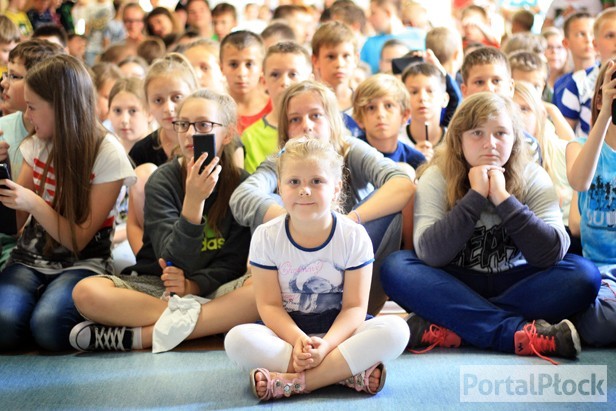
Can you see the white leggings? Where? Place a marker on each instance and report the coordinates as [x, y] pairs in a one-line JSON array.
[[380, 339]]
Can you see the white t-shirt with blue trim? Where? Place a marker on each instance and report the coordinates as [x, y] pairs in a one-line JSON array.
[[311, 279]]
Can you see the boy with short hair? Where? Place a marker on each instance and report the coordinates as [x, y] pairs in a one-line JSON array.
[[199, 17], [275, 33], [299, 19], [386, 21], [428, 96], [530, 67], [446, 44], [224, 19], [9, 37], [241, 56], [487, 69], [392, 49], [334, 58], [14, 126], [286, 63], [585, 37], [381, 108]]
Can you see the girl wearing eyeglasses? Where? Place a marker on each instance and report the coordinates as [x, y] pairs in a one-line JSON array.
[[192, 244]]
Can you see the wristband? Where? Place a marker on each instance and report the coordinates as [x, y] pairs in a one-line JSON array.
[[357, 216]]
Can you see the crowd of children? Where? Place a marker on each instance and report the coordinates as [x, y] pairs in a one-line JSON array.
[[463, 170]]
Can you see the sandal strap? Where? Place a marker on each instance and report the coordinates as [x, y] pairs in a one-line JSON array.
[[278, 387], [361, 382]]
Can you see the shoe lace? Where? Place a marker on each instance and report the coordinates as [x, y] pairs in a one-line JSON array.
[[611, 289], [109, 338], [539, 343], [434, 336]]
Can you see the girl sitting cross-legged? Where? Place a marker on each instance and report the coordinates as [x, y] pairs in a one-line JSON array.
[[312, 269]]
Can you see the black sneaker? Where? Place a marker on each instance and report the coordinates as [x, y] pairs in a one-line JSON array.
[[540, 337], [426, 334], [88, 336]]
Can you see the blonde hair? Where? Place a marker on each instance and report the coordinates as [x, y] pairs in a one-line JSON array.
[[172, 64], [449, 157], [605, 15], [547, 142], [131, 85], [330, 106], [379, 86], [444, 42], [597, 95], [306, 148]]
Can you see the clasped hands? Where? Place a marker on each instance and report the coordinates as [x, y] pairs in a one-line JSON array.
[[309, 352], [489, 181]]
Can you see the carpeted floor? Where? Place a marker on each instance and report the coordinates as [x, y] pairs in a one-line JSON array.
[[199, 376]]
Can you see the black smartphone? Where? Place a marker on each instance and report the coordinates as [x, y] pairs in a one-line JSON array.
[[204, 143], [614, 103], [8, 221], [398, 65], [5, 173]]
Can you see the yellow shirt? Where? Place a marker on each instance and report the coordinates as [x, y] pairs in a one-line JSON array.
[[21, 21]]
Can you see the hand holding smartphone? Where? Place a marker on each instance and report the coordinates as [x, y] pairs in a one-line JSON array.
[[5, 173], [204, 143], [614, 103], [7, 215]]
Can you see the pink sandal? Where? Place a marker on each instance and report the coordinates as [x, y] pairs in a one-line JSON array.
[[361, 381], [278, 387]]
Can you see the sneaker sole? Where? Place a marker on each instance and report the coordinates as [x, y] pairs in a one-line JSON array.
[[72, 338], [575, 337]]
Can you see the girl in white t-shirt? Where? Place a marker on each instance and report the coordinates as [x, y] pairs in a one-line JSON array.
[[64, 196], [312, 269]]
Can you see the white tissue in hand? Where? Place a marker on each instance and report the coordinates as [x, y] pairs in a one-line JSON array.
[[177, 322]]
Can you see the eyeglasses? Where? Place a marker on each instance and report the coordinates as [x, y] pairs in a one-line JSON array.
[[129, 21], [11, 77], [202, 126]]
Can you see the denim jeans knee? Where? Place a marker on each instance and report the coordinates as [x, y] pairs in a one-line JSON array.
[[55, 314], [19, 287]]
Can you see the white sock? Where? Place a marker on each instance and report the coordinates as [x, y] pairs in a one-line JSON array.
[[137, 345]]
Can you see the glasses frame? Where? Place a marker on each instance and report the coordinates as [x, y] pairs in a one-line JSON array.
[[209, 129], [10, 77]]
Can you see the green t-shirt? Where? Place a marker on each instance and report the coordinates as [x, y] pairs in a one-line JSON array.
[[260, 141]]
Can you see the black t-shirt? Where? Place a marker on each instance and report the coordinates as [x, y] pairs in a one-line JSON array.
[[148, 150]]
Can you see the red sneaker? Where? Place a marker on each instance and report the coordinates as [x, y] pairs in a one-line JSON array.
[[540, 337], [426, 334]]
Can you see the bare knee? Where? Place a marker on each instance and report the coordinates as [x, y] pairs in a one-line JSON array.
[[90, 295]]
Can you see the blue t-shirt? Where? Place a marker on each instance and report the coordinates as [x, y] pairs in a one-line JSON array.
[[403, 154], [351, 125], [415, 39], [573, 94], [598, 210]]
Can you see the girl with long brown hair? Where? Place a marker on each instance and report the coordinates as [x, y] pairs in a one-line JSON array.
[[64, 196]]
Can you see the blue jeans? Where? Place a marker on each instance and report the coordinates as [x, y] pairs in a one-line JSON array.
[[38, 305], [597, 324], [487, 310]]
